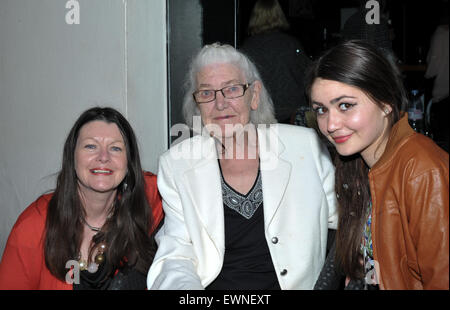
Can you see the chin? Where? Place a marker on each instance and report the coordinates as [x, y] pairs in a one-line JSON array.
[[104, 188], [345, 151], [223, 134]]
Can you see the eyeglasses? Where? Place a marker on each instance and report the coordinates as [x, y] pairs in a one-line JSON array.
[[229, 92]]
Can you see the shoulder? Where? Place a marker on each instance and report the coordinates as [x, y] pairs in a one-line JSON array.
[[272, 44], [36, 212], [419, 154], [151, 187], [154, 198], [299, 142], [289, 39], [30, 224], [295, 134], [189, 152], [150, 178], [421, 147], [184, 145], [293, 129]]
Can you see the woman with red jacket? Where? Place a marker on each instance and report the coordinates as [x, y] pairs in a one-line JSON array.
[[95, 231]]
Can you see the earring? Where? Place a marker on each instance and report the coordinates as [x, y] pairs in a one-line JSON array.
[[386, 111]]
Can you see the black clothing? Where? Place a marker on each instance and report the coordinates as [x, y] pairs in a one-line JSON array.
[[125, 279], [331, 278], [281, 61], [247, 262]]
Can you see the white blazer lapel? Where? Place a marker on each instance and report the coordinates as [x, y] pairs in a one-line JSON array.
[[275, 171], [204, 187]]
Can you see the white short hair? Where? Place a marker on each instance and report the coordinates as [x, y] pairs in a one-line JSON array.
[[226, 54]]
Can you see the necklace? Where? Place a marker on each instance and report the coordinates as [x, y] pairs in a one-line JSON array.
[[97, 229], [93, 228], [92, 267]]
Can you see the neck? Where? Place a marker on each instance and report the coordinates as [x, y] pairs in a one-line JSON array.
[[374, 152], [97, 206], [242, 145]]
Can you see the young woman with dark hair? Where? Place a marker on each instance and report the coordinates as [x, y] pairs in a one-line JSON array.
[[391, 182], [100, 216]]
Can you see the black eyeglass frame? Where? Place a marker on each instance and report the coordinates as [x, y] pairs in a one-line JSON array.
[[246, 86]]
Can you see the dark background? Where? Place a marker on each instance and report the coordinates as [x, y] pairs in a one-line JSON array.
[[412, 23]]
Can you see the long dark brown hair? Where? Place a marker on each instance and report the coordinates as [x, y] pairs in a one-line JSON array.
[[360, 65], [126, 232]]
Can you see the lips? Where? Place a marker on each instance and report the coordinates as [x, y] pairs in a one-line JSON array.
[[219, 118], [341, 139], [101, 171]]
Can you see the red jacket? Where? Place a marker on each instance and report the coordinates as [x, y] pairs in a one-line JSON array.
[[23, 263]]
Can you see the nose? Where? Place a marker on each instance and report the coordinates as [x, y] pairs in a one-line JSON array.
[[220, 102], [103, 155], [334, 122]]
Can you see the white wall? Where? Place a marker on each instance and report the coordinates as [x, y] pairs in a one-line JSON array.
[[51, 71]]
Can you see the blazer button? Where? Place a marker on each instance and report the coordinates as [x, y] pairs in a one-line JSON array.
[[274, 240], [283, 272]]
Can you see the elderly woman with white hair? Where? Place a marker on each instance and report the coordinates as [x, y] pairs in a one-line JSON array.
[[247, 202]]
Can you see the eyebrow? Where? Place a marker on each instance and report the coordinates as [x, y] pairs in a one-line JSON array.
[[96, 140], [340, 98], [223, 84], [333, 101]]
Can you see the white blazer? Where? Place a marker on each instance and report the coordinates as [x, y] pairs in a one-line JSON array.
[[299, 207]]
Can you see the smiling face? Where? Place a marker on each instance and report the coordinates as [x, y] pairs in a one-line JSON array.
[[350, 120], [100, 158], [226, 112]]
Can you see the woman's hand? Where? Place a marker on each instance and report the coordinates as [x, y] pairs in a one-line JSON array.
[[347, 280]]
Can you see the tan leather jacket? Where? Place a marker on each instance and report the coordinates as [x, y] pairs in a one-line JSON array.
[[410, 197]]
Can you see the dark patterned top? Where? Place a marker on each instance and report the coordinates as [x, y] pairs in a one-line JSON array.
[[247, 264]]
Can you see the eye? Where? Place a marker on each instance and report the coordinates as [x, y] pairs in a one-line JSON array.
[[116, 149], [90, 146], [205, 93], [319, 110], [344, 106], [234, 89]]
